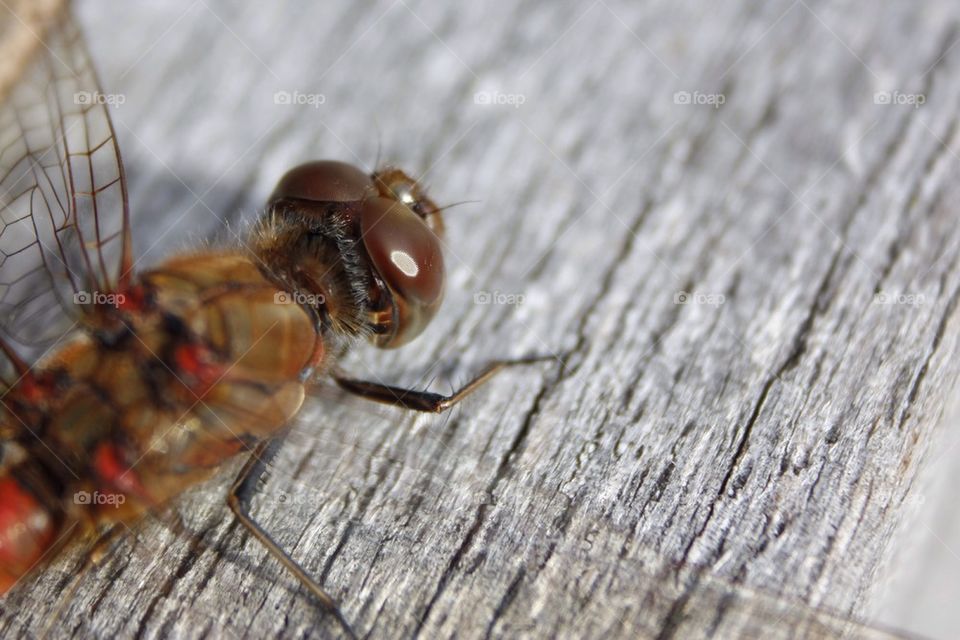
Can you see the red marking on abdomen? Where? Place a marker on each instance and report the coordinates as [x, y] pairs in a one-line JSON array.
[[108, 465], [35, 388], [26, 531], [199, 364]]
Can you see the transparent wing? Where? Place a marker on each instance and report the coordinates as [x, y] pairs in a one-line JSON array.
[[64, 222]]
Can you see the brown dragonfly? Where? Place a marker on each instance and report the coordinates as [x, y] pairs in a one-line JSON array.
[[149, 381]]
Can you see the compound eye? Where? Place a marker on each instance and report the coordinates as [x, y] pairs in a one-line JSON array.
[[325, 181], [407, 256]]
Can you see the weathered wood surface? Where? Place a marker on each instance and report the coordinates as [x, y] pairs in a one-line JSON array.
[[685, 465]]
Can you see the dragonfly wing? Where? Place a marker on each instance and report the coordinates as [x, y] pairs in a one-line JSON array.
[[64, 219]]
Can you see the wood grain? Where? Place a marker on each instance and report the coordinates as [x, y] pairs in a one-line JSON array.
[[734, 226]]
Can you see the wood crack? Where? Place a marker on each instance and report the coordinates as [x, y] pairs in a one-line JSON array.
[[190, 558], [503, 468], [925, 367]]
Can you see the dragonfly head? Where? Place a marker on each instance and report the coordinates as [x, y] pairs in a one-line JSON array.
[[393, 228]]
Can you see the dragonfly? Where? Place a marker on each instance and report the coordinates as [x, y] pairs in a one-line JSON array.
[[121, 388], [148, 381]]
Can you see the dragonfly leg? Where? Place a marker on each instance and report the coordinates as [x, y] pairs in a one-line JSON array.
[[425, 400], [239, 499]]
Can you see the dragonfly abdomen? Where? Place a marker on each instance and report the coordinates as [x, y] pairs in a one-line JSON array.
[[213, 364]]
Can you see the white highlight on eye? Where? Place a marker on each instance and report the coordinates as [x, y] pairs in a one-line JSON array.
[[405, 263]]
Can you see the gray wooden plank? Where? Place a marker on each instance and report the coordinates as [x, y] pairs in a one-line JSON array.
[[755, 306]]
